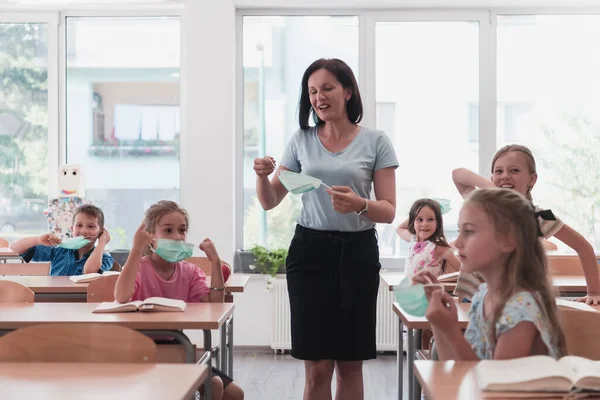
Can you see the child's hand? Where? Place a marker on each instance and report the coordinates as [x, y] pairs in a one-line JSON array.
[[425, 277], [141, 238], [591, 299], [208, 247], [49, 239], [441, 311], [104, 237]]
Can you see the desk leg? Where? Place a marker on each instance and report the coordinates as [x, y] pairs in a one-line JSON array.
[[412, 376], [208, 349], [222, 356], [410, 358], [400, 358], [188, 347], [230, 347]]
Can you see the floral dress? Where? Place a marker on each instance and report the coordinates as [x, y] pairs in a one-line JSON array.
[[421, 255], [520, 307]]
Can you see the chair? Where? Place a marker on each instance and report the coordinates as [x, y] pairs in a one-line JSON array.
[[564, 265], [102, 289], [116, 266], [581, 332], [13, 292], [3, 243], [76, 342], [31, 269], [201, 262]]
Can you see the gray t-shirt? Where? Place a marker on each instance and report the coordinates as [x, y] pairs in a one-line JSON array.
[[370, 150]]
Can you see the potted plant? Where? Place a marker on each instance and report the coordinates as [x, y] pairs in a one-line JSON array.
[[268, 262]]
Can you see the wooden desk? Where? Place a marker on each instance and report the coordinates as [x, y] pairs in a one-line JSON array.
[[448, 380], [7, 254], [414, 326], [100, 381], [200, 316], [567, 285]]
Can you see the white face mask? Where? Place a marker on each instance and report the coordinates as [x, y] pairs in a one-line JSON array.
[[297, 183]]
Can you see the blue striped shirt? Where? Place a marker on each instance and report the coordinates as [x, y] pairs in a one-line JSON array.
[[64, 262]]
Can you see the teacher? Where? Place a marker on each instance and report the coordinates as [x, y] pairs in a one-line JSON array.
[[333, 260]]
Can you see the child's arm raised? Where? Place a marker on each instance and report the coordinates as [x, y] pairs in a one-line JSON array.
[[48, 239], [217, 284], [125, 283], [466, 181], [585, 251], [452, 263], [94, 261], [403, 232]]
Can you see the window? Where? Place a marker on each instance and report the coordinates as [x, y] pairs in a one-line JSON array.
[[548, 71], [276, 51], [23, 129], [429, 72], [123, 122]]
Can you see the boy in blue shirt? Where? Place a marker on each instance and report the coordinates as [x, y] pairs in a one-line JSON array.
[[88, 222]]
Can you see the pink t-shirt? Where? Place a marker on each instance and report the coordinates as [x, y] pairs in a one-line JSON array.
[[188, 283]]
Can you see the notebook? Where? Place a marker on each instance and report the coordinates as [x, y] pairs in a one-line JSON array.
[[85, 278], [539, 374], [159, 304]]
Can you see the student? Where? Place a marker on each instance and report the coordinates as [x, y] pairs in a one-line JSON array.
[[88, 222], [514, 313], [156, 267], [513, 167], [428, 248]]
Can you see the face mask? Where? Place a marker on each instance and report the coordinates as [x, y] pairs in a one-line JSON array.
[[411, 298], [297, 183], [444, 205], [173, 250], [73, 243]]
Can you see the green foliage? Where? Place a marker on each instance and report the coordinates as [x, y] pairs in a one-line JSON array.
[[118, 238], [24, 101], [269, 261]]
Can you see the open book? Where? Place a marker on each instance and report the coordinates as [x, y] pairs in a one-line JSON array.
[[150, 304], [539, 374], [575, 304], [85, 278]]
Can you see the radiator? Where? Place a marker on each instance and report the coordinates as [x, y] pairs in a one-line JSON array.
[[281, 337]]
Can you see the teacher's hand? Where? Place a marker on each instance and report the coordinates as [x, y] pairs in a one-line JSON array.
[[344, 200], [264, 166]]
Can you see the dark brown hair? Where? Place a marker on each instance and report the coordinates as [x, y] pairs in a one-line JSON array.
[[438, 236], [345, 76], [92, 211]]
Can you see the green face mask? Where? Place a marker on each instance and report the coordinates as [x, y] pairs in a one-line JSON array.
[[73, 243], [411, 298], [173, 250], [444, 205], [297, 183]]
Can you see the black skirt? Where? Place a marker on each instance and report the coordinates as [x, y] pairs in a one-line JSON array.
[[333, 279]]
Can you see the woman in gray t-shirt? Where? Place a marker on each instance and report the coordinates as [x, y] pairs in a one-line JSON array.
[[333, 260]]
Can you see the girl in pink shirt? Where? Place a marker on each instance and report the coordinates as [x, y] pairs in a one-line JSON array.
[[156, 267]]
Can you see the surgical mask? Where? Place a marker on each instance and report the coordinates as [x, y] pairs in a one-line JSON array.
[[173, 250], [444, 205], [411, 298], [73, 243], [297, 183]]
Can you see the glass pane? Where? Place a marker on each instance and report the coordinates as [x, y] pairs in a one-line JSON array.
[[23, 129], [276, 52], [549, 100], [427, 94], [123, 122]]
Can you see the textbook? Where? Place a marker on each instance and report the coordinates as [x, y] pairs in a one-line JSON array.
[[150, 304], [539, 374], [85, 278]]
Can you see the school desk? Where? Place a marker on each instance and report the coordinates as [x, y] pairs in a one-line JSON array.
[[448, 380], [7, 254], [100, 381], [199, 316]]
